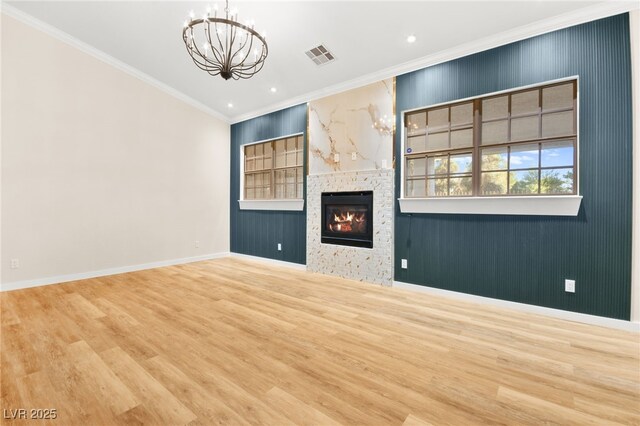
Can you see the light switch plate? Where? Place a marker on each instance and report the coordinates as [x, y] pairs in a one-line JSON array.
[[354, 156], [403, 263], [336, 158]]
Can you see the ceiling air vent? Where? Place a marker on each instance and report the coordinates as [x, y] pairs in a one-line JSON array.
[[320, 55]]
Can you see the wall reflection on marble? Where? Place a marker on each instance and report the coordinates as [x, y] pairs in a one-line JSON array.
[[359, 120]]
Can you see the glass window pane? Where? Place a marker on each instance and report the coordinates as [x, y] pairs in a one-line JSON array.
[[493, 183], [523, 156], [437, 165], [494, 158], [249, 181], [438, 141], [259, 150], [557, 154], [461, 138], [300, 142], [259, 162], [300, 191], [280, 153], [556, 181], [494, 132], [493, 108], [267, 156], [291, 144], [460, 163], [251, 194], [524, 102], [462, 114], [291, 175], [437, 187], [279, 176], [416, 121], [438, 119], [415, 188], [250, 151], [291, 190], [291, 155], [258, 193], [279, 191], [557, 124], [525, 128], [299, 176], [300, 157], [416, 144], [557, 97], [266, 192], [416, 167], [460, 186], [523, 182], [250, 164]]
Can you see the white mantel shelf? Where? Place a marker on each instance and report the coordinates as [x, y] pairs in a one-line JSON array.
[[555, 205]]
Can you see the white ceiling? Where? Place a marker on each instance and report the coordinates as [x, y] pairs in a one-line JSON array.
[[367, 38]]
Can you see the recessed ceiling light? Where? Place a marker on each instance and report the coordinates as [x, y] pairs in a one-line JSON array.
[[230, 105], [273, 90], [411, 39]]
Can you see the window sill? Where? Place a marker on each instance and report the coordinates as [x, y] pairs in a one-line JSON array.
[[555, 205], [284, 205]]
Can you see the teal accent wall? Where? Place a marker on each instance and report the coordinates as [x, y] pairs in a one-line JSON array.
[[526, 258], [255, 232]]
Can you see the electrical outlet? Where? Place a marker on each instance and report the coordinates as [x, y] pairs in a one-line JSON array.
[[570, 286], [336, 158], [403, 263], [384, 164], [279, 247], [354, 156], [15, 263], [197, 244]]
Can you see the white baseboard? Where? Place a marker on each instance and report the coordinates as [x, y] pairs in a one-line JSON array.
[[17, 285], [523, 307], [270, 261]]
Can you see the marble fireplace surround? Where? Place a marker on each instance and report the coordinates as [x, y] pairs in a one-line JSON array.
[[351, 149], [374, 265]]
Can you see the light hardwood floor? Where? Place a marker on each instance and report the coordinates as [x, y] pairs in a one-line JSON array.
[[236, 342]]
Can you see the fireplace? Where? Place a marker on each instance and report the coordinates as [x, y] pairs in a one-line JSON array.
[[347, 218]]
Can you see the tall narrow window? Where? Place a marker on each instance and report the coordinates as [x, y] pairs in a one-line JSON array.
[[273, 169]]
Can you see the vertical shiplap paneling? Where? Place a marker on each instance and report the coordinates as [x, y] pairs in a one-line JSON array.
[[526, 258], [257, 233]]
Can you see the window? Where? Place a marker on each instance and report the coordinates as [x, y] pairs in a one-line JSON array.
[[273, 169], [521, 143]]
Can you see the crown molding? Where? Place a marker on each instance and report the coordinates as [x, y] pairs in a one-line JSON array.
[[60, 35], [580, 16]]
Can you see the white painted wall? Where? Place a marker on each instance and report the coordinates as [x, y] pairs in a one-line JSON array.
[[101, 170], [634, 26]]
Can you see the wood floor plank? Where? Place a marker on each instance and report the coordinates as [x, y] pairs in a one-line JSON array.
[[235, 342]]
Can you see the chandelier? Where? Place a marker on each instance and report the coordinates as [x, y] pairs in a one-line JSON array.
[[222, 45]]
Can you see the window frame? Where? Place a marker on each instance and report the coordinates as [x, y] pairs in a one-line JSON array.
[[290, 204], [421, 204]]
